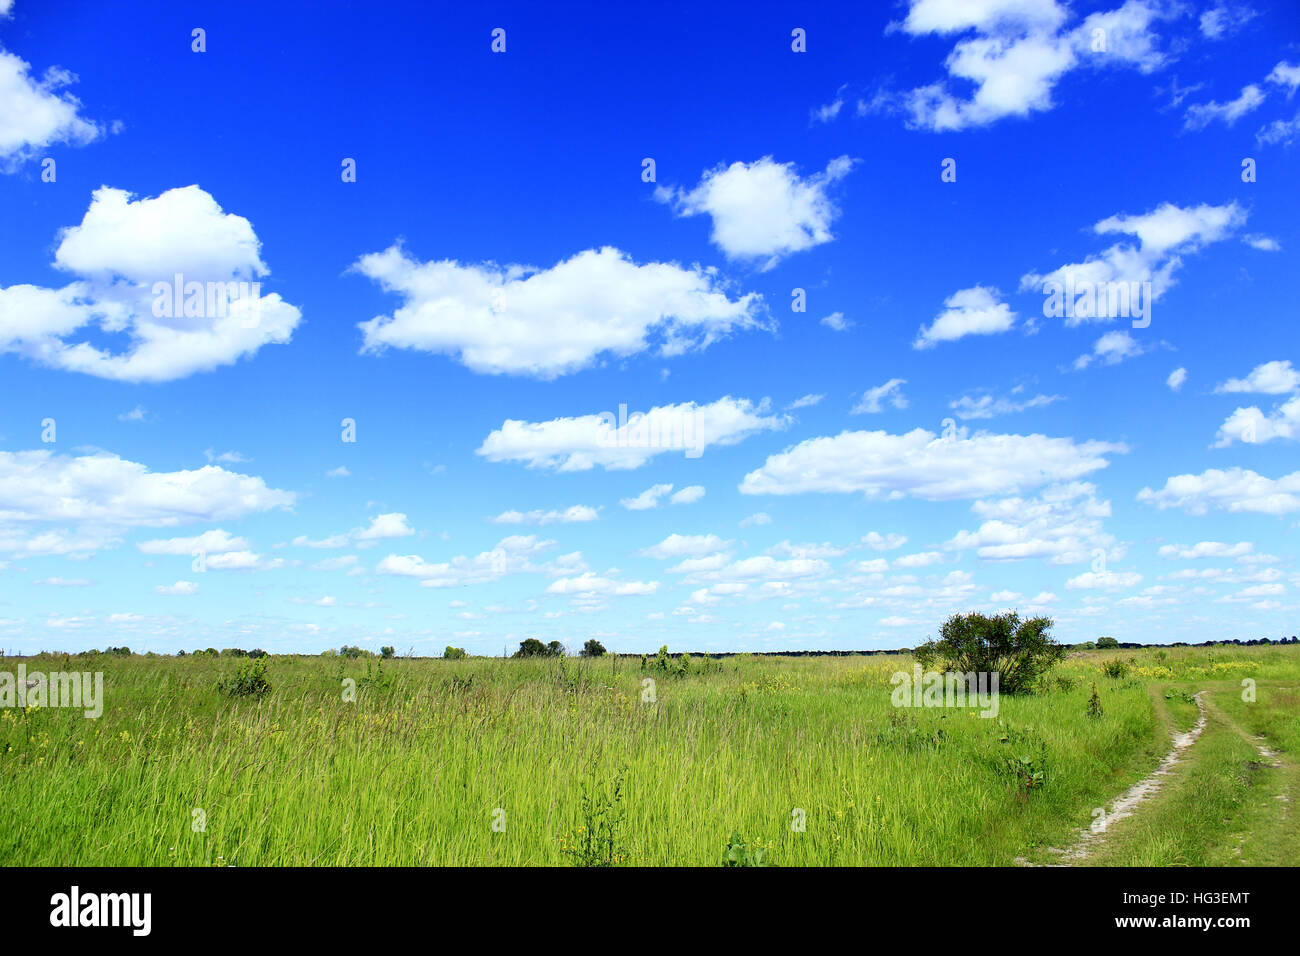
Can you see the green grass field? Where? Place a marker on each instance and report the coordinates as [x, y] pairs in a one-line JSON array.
[[546, 762]]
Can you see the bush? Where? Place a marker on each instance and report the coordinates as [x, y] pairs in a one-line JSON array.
[[387, 652], [1114, 668], [455, 653], [1094, 703], [593, 648], [1107, 642], [352, 653], [738, 853], [1020, 652], [249, 680], [532, 647]]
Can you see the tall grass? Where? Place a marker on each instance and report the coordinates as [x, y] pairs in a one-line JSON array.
[[486, 761]]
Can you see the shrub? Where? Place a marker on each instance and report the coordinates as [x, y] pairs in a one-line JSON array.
[[455, 653], [1107, 642], [1094, 703], [1115, 668], [387, 652], [1020, 652], [593, 648], [599, 840], [737, 852], [248, 680], [352, 652]]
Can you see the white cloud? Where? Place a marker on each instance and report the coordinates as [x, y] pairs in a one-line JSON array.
[[1234, 490], [1017, 54], [1206, 549], [1111, 349], [685, 546], [519, 320], [1104, 580], [688, 495], [209, 542], [762, 210], [591, 583], [137, 414], [986, 406], [1252, 426], [381, 527], [1222, 21], [1287, 75], [837, 322], [1200, 115], [340, 472], [579, 444], [1164, 236], [104, 490], [1262, 243], [974, 311], [761, 518], [921, 560], [878, 542], [1280, 131], [648, 499], [120, 251], [1270, 378], [570, 515], [35, 113], [1176, 379], [180, 588], [512, 555], [874, 399], [806, 402], [1063, 525], [923, 465]]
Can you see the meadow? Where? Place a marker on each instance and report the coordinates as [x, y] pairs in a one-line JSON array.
[[786, 760]]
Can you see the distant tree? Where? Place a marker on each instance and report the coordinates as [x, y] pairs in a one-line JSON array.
[[554, 649], [181, 652], [1087, 646], [531, 647], [1018, 651], [233, 652], [257, 652], [118, 651], [593, 648], [455, 653], [352, 652], [1107, 642], [386, 652]]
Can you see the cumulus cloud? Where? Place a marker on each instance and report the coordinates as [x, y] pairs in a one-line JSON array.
[[974, 311], [1176, 379], [1111, 349], [128, 254], [1252, 426], [209, 542], [571, 515], [1063, 525], [593, 584], [544, 323], [1234, 490], [584, 442], [1104, 580], [1270, 378], [762, 211], [36, 113], [381, 527], [923, 465], [180, 588], [1016, 54], [513, 555], [685, 546], [1206, 549], [1163, 235]]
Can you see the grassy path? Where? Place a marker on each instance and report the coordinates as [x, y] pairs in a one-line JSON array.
[[1225, 797]]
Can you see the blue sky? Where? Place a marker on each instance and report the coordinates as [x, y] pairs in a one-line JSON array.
[[921, 439]]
